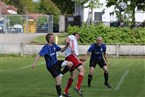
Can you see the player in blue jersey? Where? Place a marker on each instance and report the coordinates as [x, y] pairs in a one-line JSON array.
[[98, 56], [52, 64]]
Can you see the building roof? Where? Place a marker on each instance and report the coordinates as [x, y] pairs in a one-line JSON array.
[[4, 8]]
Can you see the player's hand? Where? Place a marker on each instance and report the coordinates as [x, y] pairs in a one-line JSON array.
[[108, 64], [85, 58], [82, 60], [67, 41], [74, 53], [33, 66]]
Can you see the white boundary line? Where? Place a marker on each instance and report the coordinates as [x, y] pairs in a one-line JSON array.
[[121, 80], [21, 68]]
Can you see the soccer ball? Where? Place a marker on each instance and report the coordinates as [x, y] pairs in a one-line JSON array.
[[122, 6]]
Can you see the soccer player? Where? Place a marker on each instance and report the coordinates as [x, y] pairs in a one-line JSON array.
[[52, 64], [71, 54], [98, 54]]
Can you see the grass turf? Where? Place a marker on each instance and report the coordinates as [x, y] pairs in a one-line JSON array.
[[42, 40], [19, 80]]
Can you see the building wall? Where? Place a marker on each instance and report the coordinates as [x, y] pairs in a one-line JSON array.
[[139, 16]]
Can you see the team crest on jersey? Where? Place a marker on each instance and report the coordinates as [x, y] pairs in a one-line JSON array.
[[54, 49], [101, 49]]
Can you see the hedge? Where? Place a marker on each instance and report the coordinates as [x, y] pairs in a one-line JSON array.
[[110, 35]]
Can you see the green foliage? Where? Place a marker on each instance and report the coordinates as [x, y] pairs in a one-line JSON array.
[[111, 35], [15, 20], [23, 6], [41, 39], [42, 20], [65, 6], [47, 6]]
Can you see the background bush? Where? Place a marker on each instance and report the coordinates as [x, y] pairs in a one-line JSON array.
[[111, 35]]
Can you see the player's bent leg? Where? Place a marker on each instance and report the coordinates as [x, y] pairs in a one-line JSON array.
[[106, 77], [105, 68], [81, 70], [90, 76], [67, 65], [58, 85]]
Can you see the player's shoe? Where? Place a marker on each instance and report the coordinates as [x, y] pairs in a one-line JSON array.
[[79, 91], [89, 85], [66, 95], [60, 96], [107, 84]]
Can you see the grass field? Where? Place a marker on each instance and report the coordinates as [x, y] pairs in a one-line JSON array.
[[42, 40], [127, 77]]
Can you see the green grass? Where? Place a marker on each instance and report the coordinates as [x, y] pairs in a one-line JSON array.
[[41, 39], [19, 80]]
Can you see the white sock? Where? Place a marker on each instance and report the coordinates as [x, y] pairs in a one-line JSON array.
[[61, 75]]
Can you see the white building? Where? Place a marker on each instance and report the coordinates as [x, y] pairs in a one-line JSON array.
[[105, 16]]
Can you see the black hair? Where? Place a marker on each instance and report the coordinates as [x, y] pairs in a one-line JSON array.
[[75, 33]]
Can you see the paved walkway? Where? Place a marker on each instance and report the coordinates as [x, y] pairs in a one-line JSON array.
[[18, 38]]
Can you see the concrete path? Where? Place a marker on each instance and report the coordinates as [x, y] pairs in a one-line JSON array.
[[18, 38]]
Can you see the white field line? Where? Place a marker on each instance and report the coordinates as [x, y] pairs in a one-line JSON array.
[[21, 68], [121, 80]]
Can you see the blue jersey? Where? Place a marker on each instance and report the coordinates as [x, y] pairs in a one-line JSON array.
[[97, 51], [49, 53]]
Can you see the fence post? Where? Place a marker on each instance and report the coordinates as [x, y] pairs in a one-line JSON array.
[[50, 23], [1, 49], [27, 24], [22, 49], [117, 50]]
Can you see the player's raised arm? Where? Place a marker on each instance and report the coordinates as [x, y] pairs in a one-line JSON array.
[[66, 46], [35, 61]]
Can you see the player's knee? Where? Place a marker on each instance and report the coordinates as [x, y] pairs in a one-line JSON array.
[[69, 64], [73, 77], [82, 71], [105, 71], [91, 72], [58, 80]]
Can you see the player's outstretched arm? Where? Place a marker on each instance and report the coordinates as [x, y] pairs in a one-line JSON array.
[[66, 46], [35, 61], [86, 55]]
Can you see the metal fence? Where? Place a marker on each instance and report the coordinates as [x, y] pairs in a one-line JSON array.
[[26, 24]]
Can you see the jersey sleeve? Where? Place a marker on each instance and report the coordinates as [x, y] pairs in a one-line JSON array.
[[90, 49], [58, 48], [43, 51], [70, 37]]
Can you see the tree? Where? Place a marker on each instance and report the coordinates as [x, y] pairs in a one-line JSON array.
[[65, 6], [48, 7], [131, 7], [23, 6]]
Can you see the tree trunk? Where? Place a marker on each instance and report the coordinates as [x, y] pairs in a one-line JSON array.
[[133, 17], [91, 16]]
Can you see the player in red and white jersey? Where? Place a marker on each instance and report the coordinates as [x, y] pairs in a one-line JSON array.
[[71, 54]]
